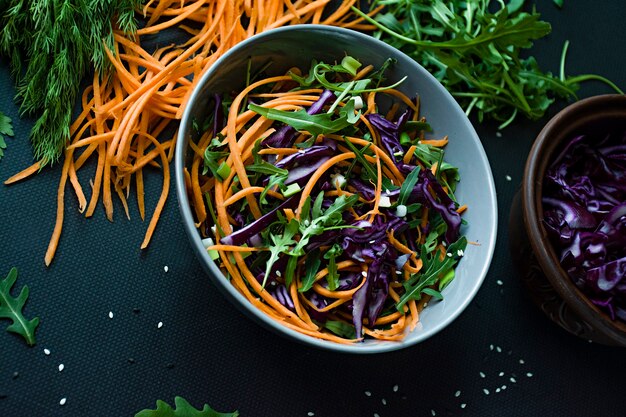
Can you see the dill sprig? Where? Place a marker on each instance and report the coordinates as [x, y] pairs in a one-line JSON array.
[[51, 45]]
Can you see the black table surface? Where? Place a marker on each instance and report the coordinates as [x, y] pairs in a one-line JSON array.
[[502, 356]]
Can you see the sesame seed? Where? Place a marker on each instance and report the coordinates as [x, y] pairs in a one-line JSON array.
[[278, 273], [498, 349], [482, 374], [460, 252], [61, 367], [46, 352], [497, 390], [463, 405], [364, 273], [508, 178], [383, 401], [166, 268], [110, 314], [395, 388], [499, 134], [457, 394], [503, 387], [521, 361], [449, 255], [367, 393], [490, 347], [372, 242], [310, 413], [63, 401], [486, 391], [529, 374], [432, 412], [376, 415], [513, 380], [501, 374], [499, 282], [160, 325]]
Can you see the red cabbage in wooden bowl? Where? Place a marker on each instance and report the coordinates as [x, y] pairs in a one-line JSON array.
[[568, 223]]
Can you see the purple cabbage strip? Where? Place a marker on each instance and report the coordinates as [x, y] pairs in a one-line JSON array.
[[242, 235], [441, 202], [390, 131], [326, 148], [218, 115], [284, 136], [281, 294]]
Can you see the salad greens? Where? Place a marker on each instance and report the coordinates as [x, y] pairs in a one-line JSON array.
[[353, 204], [11, 308], [474, 48], [182, 409]]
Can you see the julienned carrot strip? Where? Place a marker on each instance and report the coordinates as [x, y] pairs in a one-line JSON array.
[[232, 248], [317, 174], [232, 139], [440, 143], [164, 192], [25, 173], [58, 226]]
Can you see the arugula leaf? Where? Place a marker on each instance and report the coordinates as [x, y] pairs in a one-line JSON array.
[[333, 277], [280, 244], [340, 328], [316, 124], [408, 185], [212, 157], [266, 168], [331, 219], [183, 409], [11, 308], [433, 270], [311, 266], [6, 129]]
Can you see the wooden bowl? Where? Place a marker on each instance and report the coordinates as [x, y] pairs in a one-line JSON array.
[[550, 286]]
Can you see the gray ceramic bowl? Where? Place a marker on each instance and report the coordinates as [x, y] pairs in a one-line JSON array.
[[297, 46]]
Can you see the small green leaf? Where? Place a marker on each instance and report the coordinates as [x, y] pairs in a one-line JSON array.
[[311, 266], [316, 124], [6, 129], [11, 308], [341, 329], [183, 409], [559, 3]]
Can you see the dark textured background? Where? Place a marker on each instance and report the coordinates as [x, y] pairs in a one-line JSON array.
[[208, 352]]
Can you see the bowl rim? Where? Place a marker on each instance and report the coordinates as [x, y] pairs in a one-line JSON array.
[[239, 300], [562, 127]]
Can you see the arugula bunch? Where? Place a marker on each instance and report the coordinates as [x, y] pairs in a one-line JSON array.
[[475, 53]]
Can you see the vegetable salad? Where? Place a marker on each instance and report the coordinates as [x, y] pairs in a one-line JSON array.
[[329, 211]]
